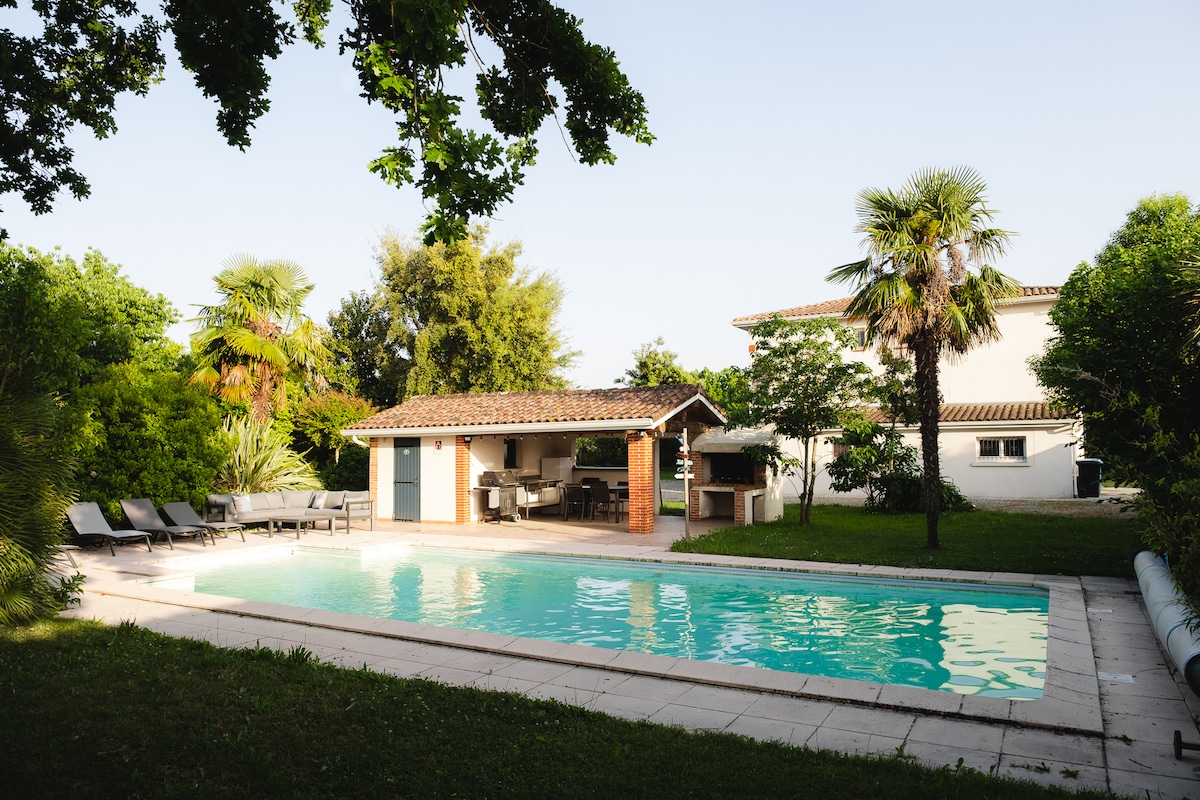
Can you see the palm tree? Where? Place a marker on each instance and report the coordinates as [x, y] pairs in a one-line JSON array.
[[248, 344], [916, 288], [35, 490]]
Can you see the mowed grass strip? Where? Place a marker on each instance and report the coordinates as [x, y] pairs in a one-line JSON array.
[[97, 712], [987, 541]]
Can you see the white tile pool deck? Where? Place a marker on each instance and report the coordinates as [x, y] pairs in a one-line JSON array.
[[1107, 719]]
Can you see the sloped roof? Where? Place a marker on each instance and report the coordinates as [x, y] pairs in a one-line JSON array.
[[633, 407], [838, 307], [989, 412], [722, 440]]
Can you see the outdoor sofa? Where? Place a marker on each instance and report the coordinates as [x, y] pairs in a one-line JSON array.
[[299, 507]]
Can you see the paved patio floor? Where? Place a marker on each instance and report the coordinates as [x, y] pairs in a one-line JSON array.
[[1107, 720]]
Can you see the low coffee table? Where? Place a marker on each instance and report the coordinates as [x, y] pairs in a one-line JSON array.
[[282, 522], [328, 515]]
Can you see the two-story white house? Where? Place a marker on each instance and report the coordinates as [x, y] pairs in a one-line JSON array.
[[998, 436]]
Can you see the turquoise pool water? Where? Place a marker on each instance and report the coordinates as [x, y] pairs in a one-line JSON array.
[[953, 637]]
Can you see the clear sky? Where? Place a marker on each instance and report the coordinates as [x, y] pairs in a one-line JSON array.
[[770, 117]]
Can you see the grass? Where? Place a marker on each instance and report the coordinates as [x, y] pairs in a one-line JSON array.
[[989, 541], [97, 712], [671, 508]]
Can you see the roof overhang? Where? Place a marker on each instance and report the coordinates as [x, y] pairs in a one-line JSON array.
[[583, 426], [1060, 425], [725, 440], [696, 408], [716, 417]]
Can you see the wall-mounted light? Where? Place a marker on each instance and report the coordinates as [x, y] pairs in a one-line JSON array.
[[467, 439]]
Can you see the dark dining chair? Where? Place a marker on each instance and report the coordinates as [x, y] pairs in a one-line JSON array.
[[601, 498], [622, 499], [572, 496]]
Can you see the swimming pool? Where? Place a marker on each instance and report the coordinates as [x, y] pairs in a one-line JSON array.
[[961, 638]]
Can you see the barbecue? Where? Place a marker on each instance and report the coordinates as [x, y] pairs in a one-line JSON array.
[[500, 495]]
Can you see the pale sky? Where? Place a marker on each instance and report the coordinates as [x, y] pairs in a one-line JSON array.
[[770, 117]]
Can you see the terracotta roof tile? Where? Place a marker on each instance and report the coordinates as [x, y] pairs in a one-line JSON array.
[[838, 307], [827, 308], [509, 408], [990, 412]]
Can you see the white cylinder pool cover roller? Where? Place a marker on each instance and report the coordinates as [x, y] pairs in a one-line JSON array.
[[1170, 615]]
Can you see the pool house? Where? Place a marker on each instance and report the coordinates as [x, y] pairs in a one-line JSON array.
[[431, 455]]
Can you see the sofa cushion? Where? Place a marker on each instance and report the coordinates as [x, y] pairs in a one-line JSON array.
[[318, 499], [261, 501], [357, 497], [296, 499], [242, 504], [333, 499], [225, 500]]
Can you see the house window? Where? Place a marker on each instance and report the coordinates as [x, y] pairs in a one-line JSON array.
[[860, 338], [1003, 450]]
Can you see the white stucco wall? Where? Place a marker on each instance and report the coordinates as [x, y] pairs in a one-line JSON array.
[[997, 372], [437, 479], [1048, 471], [385, 496]]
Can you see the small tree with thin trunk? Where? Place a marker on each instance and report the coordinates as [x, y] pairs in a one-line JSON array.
[[800, 385]]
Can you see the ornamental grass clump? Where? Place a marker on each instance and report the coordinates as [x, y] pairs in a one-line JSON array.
[[262, 461]]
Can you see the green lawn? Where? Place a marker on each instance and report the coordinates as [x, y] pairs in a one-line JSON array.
[[96, 712], [990, 541]]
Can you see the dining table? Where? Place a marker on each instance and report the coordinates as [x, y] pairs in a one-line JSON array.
[[616, 494]]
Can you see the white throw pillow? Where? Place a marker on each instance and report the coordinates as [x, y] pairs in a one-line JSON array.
[[241, 504]]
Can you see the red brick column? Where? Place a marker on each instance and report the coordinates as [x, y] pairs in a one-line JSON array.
[[739, 508], [641, 482], [694, 503], [373, 474], [462, 480]]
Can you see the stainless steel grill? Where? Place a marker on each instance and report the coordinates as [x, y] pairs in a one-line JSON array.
[[500, 495]]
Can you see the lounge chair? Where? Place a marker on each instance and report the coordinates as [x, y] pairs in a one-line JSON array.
[[184, 514], [143, 517], [89, 524]]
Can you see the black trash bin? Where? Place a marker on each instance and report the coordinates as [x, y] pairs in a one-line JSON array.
[[1088, 482]]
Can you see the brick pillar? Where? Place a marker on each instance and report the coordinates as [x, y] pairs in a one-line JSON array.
[[641, 482], [694, 503], [373, 474], [462, 480], [739, 508]]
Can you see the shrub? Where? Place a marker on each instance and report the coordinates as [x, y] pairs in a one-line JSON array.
[[261, 461], [904, 493]]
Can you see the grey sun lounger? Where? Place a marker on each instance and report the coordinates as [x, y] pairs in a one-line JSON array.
[[184, 514], [143, 517], [89, 524]]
